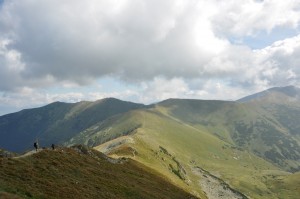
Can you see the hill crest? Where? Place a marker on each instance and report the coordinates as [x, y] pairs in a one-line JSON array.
[[81, 172], [276, 94]]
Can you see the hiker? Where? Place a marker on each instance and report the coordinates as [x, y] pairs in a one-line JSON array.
[[52, 146], [36, 146]]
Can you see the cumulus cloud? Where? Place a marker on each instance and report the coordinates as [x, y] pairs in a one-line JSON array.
[[11, 66], [252, 16], [134, 40], [164, 47], [281, 62], [160, 89]]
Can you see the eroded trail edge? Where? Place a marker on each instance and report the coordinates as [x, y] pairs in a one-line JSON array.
[[215, 187]]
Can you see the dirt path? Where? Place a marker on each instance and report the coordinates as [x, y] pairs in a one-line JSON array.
[[28, 153]]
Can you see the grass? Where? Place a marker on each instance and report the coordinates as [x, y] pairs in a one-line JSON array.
[[81, 173], [285, 185], [193, 147]]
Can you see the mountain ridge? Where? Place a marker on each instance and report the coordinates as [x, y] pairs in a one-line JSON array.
[[56, 122], [248, 145], [289, 91]]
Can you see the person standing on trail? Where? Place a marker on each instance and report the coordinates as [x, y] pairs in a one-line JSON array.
[[36, 145], [52, 146]]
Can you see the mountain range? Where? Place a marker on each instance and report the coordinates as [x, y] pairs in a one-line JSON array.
[[249, 148]]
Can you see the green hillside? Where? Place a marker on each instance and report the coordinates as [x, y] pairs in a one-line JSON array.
[[180, 152], [284, 186], [102, 131], [56, 122], [233, 143], [79, 172], [271, 130]]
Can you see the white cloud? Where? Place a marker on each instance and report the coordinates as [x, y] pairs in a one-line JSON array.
[[248, 17], [10, 66], [161, 88], [281, 61], [161, 47], [135, 40]]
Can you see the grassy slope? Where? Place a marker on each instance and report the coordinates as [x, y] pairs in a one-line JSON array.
[[268, 129], [81, 173], [191, 147], [285, 186], [102, 131]]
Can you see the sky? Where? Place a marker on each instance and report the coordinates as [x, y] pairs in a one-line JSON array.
[[145, 51]]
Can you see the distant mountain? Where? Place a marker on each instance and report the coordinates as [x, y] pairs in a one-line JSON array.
[[192, 142], [80, 172], [268, 123], [244, 148], [56, 122], [281, 94], [236, 140]]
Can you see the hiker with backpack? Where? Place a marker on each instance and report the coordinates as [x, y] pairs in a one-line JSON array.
[[36, 146]]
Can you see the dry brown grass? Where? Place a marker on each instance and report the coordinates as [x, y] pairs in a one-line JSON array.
[[81, 173]]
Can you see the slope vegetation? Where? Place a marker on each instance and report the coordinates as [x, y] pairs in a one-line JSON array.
[[267, 125], [213, 149], [180, 151], [79, 172], [198, 142]]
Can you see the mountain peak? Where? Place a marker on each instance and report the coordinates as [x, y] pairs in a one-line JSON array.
[[291, 91], [275, 93]]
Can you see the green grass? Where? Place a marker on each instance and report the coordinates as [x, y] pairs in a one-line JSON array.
[[107, 130], [193, 147], [285, 185], [267, 129]]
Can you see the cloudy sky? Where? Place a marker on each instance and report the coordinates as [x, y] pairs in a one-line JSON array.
[[145, 50]]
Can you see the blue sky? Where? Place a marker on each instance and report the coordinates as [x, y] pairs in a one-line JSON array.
[[144, 51], [264, 39]]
